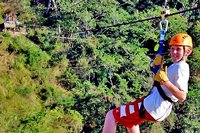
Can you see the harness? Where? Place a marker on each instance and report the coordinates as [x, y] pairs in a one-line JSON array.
[[156, 68], [162, 94]]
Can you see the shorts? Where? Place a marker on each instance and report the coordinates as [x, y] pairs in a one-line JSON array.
[[128, 114]]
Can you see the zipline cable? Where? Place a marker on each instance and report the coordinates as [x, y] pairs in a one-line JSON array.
[[142, 20], [165, 3], [132, 22]]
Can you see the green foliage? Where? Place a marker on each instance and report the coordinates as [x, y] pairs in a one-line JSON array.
[[195, 34], [178, 24], [54, 120], [194, 61], [50, 86], [21, 93]]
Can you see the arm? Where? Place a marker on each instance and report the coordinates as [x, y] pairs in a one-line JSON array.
[[179, 94], [161, 77]]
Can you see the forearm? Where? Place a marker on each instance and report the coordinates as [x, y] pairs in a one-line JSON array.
[[179, 94]]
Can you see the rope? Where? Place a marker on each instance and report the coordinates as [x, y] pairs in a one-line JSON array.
[[142, 20], [127, 23], [165, 4]]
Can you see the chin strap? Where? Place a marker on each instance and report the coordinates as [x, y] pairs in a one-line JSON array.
[[184, 54]]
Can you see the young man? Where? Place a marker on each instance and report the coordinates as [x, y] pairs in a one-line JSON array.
[[169, 86]]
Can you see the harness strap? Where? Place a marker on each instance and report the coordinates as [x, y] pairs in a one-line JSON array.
[[161, 92], [160, 49], [142, 110]]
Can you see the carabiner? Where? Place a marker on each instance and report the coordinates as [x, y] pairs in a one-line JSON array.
[[166, 24]]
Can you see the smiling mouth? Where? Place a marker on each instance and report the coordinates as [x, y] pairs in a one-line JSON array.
[[176, 58]]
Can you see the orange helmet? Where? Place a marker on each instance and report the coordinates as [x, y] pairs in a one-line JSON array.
[[181, 39]]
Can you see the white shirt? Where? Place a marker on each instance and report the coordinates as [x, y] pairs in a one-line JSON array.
[[156, 106]]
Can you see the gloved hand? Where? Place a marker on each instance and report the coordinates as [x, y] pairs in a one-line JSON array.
[[157, 61], [161, 76]]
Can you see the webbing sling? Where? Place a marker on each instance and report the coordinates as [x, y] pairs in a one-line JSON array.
[[161, 92], [142, 110]]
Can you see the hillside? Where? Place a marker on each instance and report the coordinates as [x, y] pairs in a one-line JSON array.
[[67, 71]]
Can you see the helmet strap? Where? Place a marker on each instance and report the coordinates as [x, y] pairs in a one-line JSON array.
[[184, 54]]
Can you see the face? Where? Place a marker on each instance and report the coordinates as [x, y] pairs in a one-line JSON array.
[[176, 53]]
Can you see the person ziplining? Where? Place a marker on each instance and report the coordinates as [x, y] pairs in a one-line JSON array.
[[170, 86]]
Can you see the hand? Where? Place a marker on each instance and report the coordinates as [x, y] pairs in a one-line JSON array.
[[157, 61], [161, 76]]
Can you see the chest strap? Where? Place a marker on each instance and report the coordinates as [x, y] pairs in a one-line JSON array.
[[161, 92]]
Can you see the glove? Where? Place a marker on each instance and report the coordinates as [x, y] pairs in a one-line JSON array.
[[157, 61], [161, 76]]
